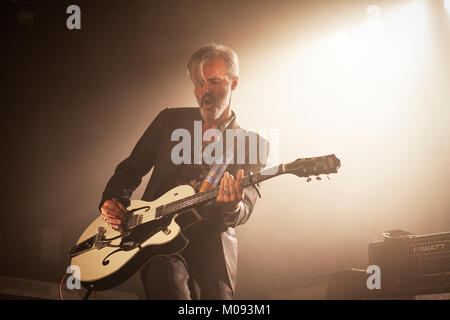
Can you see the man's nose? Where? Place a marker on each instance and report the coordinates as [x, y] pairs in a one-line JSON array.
[[206, 89]]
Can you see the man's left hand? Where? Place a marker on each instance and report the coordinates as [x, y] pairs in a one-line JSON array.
[[231, 192]]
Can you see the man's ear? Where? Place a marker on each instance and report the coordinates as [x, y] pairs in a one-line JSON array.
[[234, 83]]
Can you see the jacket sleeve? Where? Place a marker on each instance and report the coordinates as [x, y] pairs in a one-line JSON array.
[[128, 174]]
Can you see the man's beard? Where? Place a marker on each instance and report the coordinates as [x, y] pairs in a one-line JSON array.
[[213, 112]]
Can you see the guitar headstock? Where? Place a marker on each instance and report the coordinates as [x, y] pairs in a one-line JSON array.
[[305, 167]]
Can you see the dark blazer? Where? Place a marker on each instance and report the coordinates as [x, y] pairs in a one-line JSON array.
[[212, 252]]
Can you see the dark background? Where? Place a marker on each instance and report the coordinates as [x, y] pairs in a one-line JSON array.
[[75, 102]]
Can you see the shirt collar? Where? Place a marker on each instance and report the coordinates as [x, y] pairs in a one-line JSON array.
[[228, 122]]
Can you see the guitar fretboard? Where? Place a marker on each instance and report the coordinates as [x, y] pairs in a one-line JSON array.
[[301, 167], [199, 198]]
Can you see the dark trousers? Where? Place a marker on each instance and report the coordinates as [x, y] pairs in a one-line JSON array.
[[168, 278]]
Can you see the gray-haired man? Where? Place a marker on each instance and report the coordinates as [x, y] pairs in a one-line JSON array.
[[207, 268]]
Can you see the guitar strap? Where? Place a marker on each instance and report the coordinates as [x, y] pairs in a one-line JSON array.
[[216, 172], [217, 169]]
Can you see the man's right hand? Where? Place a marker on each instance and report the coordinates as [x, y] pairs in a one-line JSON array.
[[113, 212]]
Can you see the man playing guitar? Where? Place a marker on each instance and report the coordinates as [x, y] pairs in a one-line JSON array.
[[207, 267]]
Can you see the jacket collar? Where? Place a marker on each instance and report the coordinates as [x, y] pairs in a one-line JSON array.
[[229, 123]]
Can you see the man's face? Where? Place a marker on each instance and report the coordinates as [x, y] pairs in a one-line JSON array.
[[214, 93]]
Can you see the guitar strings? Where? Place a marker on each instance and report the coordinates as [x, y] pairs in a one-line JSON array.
[[190, 201]]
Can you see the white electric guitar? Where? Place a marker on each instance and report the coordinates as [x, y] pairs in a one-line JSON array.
[[106, 257]]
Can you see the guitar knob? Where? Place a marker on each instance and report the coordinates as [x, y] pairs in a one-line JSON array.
[[166, 231], [318, 178], [308, 180]]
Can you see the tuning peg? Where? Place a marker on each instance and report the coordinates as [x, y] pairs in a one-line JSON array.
[[318, 178], [308, 180]]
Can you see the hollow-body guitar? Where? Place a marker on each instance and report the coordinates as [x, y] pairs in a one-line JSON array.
[[104, 257]]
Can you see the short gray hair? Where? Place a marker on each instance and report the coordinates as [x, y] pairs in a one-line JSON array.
[[210, 52]]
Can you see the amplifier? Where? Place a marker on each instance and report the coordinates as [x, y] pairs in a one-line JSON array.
[[412, 264]]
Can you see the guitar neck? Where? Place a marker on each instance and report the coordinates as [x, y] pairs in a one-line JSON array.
[[301, 168], [202, 197]]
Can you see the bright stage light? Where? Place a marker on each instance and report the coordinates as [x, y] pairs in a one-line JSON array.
[[354, 79], [341, 40], [447, 5]]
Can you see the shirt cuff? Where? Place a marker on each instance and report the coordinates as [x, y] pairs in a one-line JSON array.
[[230, 217]]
